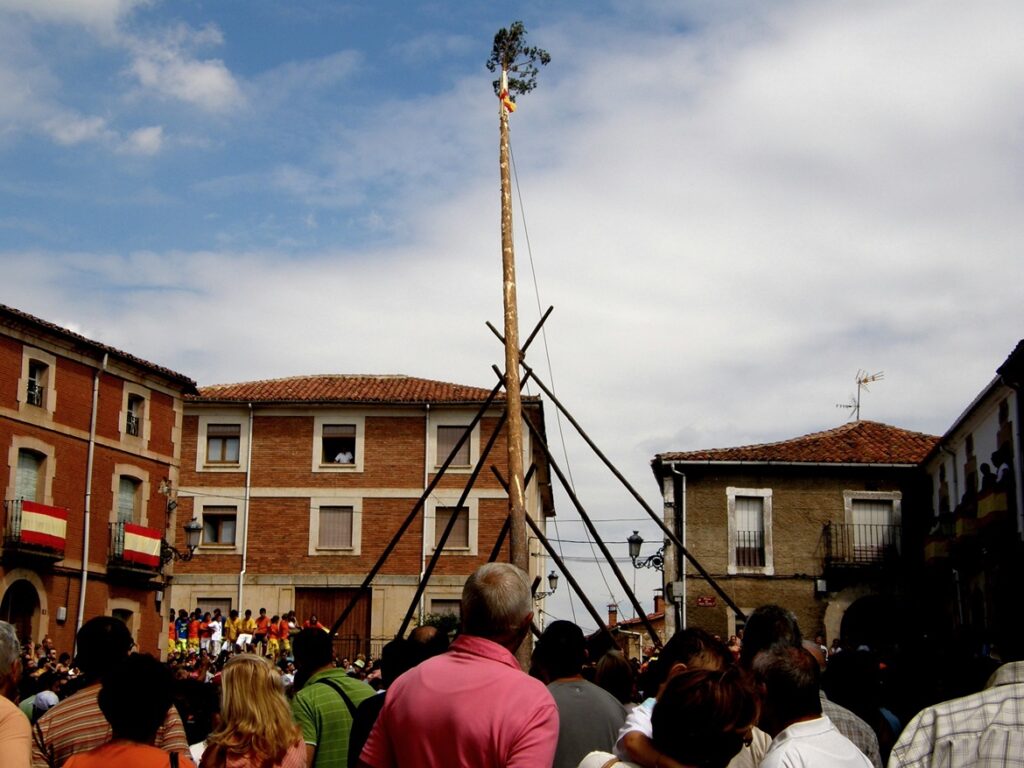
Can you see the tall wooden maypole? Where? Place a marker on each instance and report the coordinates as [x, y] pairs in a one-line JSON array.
[[518, 67]]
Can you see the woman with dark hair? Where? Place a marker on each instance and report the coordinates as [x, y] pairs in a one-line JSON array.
[[615, 674], [703, 718]]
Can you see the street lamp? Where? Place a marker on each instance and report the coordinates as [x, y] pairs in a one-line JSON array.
[[552, 586], [656, 561], [168, 552]]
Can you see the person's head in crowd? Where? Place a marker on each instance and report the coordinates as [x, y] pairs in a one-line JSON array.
[[313, 650], [768, 627], [561, 651], [815, 650], [198, 703], [396, 658], [497, 604], [615, 674], [690, 648], [135, 697], [103, 643], [233, 614], [10, 661], [248, 613], [426, 642], [704, 717], [255, 719], [788, 679]]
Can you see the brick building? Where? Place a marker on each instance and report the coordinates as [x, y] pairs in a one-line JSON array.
[[974, 555], [300, 484], [812, 523], [89, 434]]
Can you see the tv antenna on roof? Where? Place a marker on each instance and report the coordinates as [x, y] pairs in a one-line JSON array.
[[863, 379]]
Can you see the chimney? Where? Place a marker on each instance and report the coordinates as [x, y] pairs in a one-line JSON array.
[[613, 614], [659, 603]]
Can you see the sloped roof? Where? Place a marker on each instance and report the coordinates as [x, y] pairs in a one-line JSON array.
[[12, 315], [341, 388], [859, 442]]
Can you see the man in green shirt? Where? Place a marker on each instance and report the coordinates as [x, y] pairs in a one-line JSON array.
[[324, 706]]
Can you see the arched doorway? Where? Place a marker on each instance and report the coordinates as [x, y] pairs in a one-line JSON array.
[[20, 607]]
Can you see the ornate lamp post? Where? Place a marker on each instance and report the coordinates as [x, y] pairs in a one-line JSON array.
[[656, 561]]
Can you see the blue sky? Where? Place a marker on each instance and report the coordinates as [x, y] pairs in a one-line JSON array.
[[733, 207]]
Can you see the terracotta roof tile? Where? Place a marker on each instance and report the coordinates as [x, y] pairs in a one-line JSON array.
[[338, 388], [859, 442], [24, 317]]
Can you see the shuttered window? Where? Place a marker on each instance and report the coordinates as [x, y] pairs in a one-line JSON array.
[[30, 466], [459, 538], [128, 500], [219, 526], [222, 443], [335, 528], [750, 531], [447, 437]]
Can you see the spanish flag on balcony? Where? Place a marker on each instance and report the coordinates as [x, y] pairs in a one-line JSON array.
[[43, 526], [141, 545]]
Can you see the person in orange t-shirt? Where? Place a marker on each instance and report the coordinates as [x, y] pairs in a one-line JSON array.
[[193, 631], [274, 638], [259, 638], [284, 631]]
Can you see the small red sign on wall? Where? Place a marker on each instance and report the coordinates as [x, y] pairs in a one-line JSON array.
[[709, 601]]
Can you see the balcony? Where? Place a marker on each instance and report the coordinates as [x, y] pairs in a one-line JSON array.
[[35, 394], [34, 530], [750, 549], [134, 551], [132, 425], [859, 550]]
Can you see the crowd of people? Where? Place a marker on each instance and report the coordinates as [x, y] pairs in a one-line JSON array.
[[242, 696]]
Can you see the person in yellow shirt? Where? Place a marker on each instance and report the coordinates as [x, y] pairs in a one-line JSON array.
[[232, 629], [247, 631]]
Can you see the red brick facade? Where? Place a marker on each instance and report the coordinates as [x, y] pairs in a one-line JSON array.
[[282, 480], [45, 427]]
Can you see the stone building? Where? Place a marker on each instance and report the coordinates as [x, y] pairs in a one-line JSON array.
[[90, 436], [812, 523], [301, 483]]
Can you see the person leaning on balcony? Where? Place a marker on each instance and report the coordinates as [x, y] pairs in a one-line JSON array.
[[15, 731], [77, 724]]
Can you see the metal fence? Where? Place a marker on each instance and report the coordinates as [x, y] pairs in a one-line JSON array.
[[750, 549], [861, 543]]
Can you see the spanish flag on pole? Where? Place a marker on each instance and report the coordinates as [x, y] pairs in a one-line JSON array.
[[506, 100]]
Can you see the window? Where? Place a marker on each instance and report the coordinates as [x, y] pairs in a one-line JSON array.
[[750, 530], [222, 441], [128, 500], [446, 607], [459, 537], [338, 444], [335, 526], [38, 373], [135, 415], [335, 529], [873, 523], [219, 525], [30, 471], [447, 437]]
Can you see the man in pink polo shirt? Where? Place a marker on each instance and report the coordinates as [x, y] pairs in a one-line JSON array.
[[472, 706]]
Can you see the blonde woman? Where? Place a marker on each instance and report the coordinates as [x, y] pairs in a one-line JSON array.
[[256, 728]]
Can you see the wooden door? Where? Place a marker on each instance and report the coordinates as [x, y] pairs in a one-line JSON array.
[[328, 604]]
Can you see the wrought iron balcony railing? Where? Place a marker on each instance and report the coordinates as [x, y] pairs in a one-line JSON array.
[[750, 549], [861, 544], [31, 527]]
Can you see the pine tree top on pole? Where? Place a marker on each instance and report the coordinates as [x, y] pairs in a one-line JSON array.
[[511, 55]]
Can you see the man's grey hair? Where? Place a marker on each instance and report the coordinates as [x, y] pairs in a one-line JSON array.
[[10, 649], [496, 600]]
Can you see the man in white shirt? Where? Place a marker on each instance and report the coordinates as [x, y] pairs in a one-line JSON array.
[[802, 737]]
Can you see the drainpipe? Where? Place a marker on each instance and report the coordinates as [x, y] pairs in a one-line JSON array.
[[88, 492], [679, 492], [426, 484], [245, 522], [956, 481]]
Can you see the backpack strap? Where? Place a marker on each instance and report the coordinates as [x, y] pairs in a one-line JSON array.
[[37, 734], [174, 760], [341, 692]]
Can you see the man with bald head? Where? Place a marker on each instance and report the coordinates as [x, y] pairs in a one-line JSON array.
[[472, 706]]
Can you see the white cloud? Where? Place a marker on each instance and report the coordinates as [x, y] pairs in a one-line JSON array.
[[144, 141], [102, 15], [168, 68], [69, 129]]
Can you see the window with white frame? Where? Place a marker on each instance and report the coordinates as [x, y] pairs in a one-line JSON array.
[[135, 416], [459, 537], [335, 526], [446, 606], [338, 444], [37, 385], [220, 525], [38, 376], [335, 529], [463, 538], [29, 475], [873, 520], [222, 443], [447, 438], [129, 499], [750, 530]]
